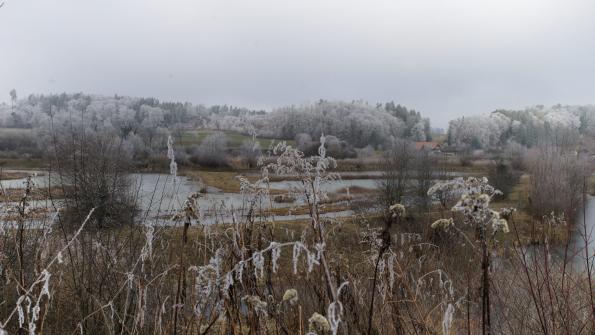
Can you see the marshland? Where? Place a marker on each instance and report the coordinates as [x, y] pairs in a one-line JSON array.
[[437, 210]]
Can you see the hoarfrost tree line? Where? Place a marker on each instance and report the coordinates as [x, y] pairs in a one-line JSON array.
[[96, 263], [145, 123], [558, 125]]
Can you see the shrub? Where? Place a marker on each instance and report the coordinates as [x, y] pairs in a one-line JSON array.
[[211, 152], [503, 177], [558, 181], [93, 169]]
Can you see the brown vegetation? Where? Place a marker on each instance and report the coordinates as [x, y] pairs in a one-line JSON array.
[[386, 274]]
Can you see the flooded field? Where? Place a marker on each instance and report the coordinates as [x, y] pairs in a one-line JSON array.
[[158, 196]]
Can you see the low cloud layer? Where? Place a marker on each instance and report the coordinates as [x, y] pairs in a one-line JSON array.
[[444, 58]]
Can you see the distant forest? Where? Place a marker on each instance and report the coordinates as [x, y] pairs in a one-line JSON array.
[[143, 124], [559, 125]]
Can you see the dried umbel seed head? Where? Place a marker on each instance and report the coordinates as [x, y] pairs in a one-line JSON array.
[[442, 224], [500, 225], [506, 213], [397, 210], [318, 323], [190, 210], [554, 219], [291, 295], [254, 301]]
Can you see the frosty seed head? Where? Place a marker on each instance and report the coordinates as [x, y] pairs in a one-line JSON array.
[[291, 295], [443, 224], [397, 210], [500, 225], [318, 323], [254, 301]]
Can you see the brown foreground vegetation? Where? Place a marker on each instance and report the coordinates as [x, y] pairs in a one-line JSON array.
[[392, 273]]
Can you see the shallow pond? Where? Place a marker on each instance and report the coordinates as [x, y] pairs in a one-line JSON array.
[[157, 195], [159, 192], [332, 186], [41, 180]]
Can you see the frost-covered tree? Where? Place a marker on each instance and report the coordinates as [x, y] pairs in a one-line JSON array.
[[250, 151], [357, 123], [212, 151], [558, 181], [13, 98], [556, 125], [397, 171]]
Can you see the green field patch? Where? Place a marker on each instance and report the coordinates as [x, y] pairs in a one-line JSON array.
[[234, 139]]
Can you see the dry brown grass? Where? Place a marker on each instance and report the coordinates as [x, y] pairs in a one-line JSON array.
[[15, 194], [8, 175]]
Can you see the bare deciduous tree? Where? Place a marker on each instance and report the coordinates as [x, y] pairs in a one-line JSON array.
[[92, 169], [396, 171], [425, 164], [250, 151], [557, 179]]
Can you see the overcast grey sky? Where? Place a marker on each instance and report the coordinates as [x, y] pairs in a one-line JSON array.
[[444, 58]]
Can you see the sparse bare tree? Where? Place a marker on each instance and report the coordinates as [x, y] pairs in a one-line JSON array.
[[92, 169], [557, 179], [396, 171], [502, 176], [13, 98], [250, 151], [425, 163]]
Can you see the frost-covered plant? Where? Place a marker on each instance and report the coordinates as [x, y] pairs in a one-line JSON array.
[[382, 243], [335, 311], [397, 210], [215, 281], [241, 264], [254, 301], [31, 298], [474, 204], [443, 224], [312, 172], [291, 296], [318, 323], [173, 166], [447, 319]]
